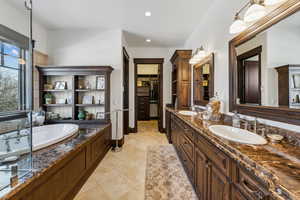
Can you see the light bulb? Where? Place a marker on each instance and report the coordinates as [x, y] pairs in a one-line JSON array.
[[255, 12], [237, 26], [200, 53]]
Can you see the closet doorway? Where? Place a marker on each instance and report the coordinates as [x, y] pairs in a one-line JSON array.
[[148, 74], [125, 92]]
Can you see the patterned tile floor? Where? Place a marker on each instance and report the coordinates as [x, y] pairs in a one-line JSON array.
[[121, 176]]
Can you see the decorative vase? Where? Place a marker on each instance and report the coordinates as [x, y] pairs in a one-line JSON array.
[[81, 115], [48, 100]]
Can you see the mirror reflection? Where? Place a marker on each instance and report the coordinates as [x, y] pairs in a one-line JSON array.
[[268, 66], [204, 80]]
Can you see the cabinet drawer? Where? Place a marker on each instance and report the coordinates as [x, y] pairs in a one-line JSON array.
[[188, 147], [249, 185], [220, 159]]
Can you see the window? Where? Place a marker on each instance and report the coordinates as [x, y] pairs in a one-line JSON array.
[[12, 77]]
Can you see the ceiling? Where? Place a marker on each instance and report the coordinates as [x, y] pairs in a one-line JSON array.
[[171, 23]]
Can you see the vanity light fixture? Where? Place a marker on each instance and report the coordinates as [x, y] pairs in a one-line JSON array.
[[238, 25], [199, 54], [272, 2], [255, 11], [148, 14], [148, 40]]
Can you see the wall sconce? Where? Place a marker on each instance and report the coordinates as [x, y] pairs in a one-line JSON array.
[[256, 10], [198, 55]]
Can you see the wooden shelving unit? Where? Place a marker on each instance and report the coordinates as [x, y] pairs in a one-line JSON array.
[[181, 80], [74, 76]]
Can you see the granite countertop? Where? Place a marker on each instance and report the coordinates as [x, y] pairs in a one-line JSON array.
[[278, 165], [48, 157]]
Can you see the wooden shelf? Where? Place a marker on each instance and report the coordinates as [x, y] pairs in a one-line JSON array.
[[58, 105], [53, 90], [74, 76], [89, 105], [93, 121], [89, 90]]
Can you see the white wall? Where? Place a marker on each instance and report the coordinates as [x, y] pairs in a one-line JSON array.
[[213, 34], [150, 52], [18, 20], [92, 47]]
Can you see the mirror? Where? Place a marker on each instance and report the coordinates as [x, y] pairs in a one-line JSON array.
[[264, 67], [203, 78], [269, 66]]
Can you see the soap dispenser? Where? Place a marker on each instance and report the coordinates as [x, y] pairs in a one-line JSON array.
[[236, 121]]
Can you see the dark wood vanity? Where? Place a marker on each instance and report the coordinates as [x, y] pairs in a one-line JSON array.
[[215, 172]]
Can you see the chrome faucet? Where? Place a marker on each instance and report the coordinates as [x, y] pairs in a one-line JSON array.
[[255, 125], [245, 123]]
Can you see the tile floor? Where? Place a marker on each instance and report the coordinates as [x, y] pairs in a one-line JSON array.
[[121, 176]]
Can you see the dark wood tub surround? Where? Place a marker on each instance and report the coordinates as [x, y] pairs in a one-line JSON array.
[[220, 169], [61, 170]]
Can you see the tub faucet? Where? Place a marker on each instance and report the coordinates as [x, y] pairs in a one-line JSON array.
[[255, 125], [245, 124]]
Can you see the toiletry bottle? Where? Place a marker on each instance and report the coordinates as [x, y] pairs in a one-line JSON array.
[[236, 121]]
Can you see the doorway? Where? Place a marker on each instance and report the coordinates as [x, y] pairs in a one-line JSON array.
[[125, 92], [249, 76], [148, 75]]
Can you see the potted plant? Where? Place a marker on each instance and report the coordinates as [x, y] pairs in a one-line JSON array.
[[48, 98]]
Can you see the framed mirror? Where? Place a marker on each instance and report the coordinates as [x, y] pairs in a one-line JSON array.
[[264, 67], [203, 79]]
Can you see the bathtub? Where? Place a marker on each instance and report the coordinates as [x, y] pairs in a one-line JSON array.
[[42, 137]]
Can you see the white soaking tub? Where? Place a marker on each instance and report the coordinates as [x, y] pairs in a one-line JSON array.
[[44, 136]]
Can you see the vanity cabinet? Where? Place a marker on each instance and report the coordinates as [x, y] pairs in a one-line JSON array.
[[214, 175], [181, 78]]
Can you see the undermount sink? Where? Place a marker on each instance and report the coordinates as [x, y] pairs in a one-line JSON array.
[[237, 135], [187, 113]]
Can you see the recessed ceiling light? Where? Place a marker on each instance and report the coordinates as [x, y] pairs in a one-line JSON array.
[[148, 14], [148, 40]]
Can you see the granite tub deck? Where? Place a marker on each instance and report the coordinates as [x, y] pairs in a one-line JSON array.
[[277, 165], [49, 157]]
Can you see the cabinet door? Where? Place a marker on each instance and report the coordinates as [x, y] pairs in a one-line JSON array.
[[184, 97], [174, 133], [219, 186], [201, 174]]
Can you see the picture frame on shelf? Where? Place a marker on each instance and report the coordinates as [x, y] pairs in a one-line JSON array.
[[87, 99], [101, 99], [60, 85], [69, 100], [100, 115], [100, 82]]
